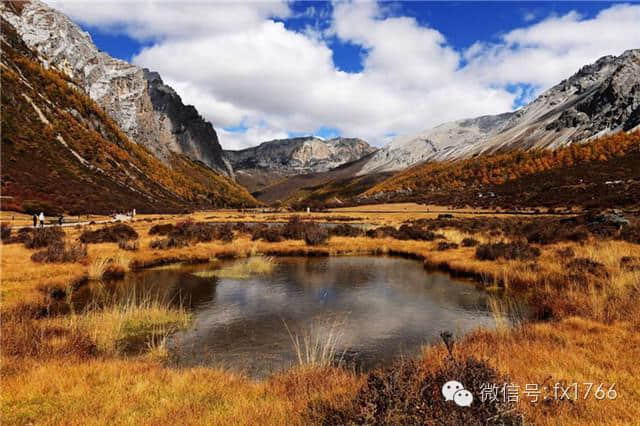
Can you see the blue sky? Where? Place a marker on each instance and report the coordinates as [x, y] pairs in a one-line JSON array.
[[474, 21], [265, 70]]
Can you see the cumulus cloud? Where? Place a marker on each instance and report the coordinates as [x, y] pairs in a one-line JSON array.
[[555, 48], [241, 67]]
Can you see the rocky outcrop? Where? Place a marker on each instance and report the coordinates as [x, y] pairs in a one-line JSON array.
[[299, 155], [62, 153], [146, 109], [601, 98]]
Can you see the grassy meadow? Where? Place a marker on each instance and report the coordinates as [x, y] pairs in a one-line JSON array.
[[67, 366]]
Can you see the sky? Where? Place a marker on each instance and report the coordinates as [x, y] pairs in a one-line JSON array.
[[375, 70]]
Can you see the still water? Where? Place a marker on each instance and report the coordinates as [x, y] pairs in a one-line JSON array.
[[379, 308]]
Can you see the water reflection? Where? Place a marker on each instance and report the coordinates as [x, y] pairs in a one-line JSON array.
[[386, 307]]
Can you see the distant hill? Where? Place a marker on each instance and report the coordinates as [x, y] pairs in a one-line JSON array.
[[274, 161], [318, 188], [62, 152]]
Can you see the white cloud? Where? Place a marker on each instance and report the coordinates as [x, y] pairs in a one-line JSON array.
[[166, 19], [241, 140], [236, 65], [555, 48]]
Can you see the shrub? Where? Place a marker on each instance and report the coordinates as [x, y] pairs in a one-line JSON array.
[[272, 234], [128, 245], [5, 232], [509, 251], [582, 264], [315, 234], [444, 245], [167, 243], [161, 229], [405, 394], [109, 234], [382, 232], [566, 253], [60, 253], [469, 242], [189, 232], [294, 229], [44, 237], [631, 233], [409, 232], [344, 230], [630, 263]]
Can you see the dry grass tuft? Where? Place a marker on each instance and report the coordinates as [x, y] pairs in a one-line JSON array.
[[318, 345], [242, 269]]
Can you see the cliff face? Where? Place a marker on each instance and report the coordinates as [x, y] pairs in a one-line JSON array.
[[601, 98], [148, 111], [62, 153]]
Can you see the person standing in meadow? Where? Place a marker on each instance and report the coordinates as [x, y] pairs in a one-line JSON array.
[[35, 220], [41, 219]]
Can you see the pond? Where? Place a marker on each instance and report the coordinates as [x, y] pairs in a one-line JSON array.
[[373, 309]]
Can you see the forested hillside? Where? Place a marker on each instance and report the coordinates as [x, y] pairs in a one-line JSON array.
[[591, 173], [61, 152]]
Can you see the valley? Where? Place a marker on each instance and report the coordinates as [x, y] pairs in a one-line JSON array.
[[340, 267]]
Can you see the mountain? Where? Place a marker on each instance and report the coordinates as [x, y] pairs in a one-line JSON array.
[[604, 173], [600, 98], [147, 110], [305, 190], [273, 161], [61, 152]]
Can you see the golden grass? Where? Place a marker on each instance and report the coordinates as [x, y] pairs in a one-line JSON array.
[[318, 345], [252, 266], [599, 345], [142, 319], [574, 350]]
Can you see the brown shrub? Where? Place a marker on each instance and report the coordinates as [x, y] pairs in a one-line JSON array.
[[469, 242], [344, 230], [630, 263], [167, 243], [23, 336], [200, 232], [43, 237], [582, 264], [161, 229], [128, 245], [445, 245], [631, 233], [109, 234], [61, 253], [404, 394], [315, 234], [295, 228], [5, 232], [509, 251], [566, 253], [272, 234]]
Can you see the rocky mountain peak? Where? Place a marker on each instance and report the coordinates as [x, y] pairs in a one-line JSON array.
[[148, 111], [300, 155], [600, 98]]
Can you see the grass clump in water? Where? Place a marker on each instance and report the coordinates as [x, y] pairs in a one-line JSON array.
[[130, 323], [318, 345], [255, 265]]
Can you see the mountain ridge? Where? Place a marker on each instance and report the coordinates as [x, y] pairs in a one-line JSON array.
[[133, 97], [62, 153], [600, 98], [273, 161]]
